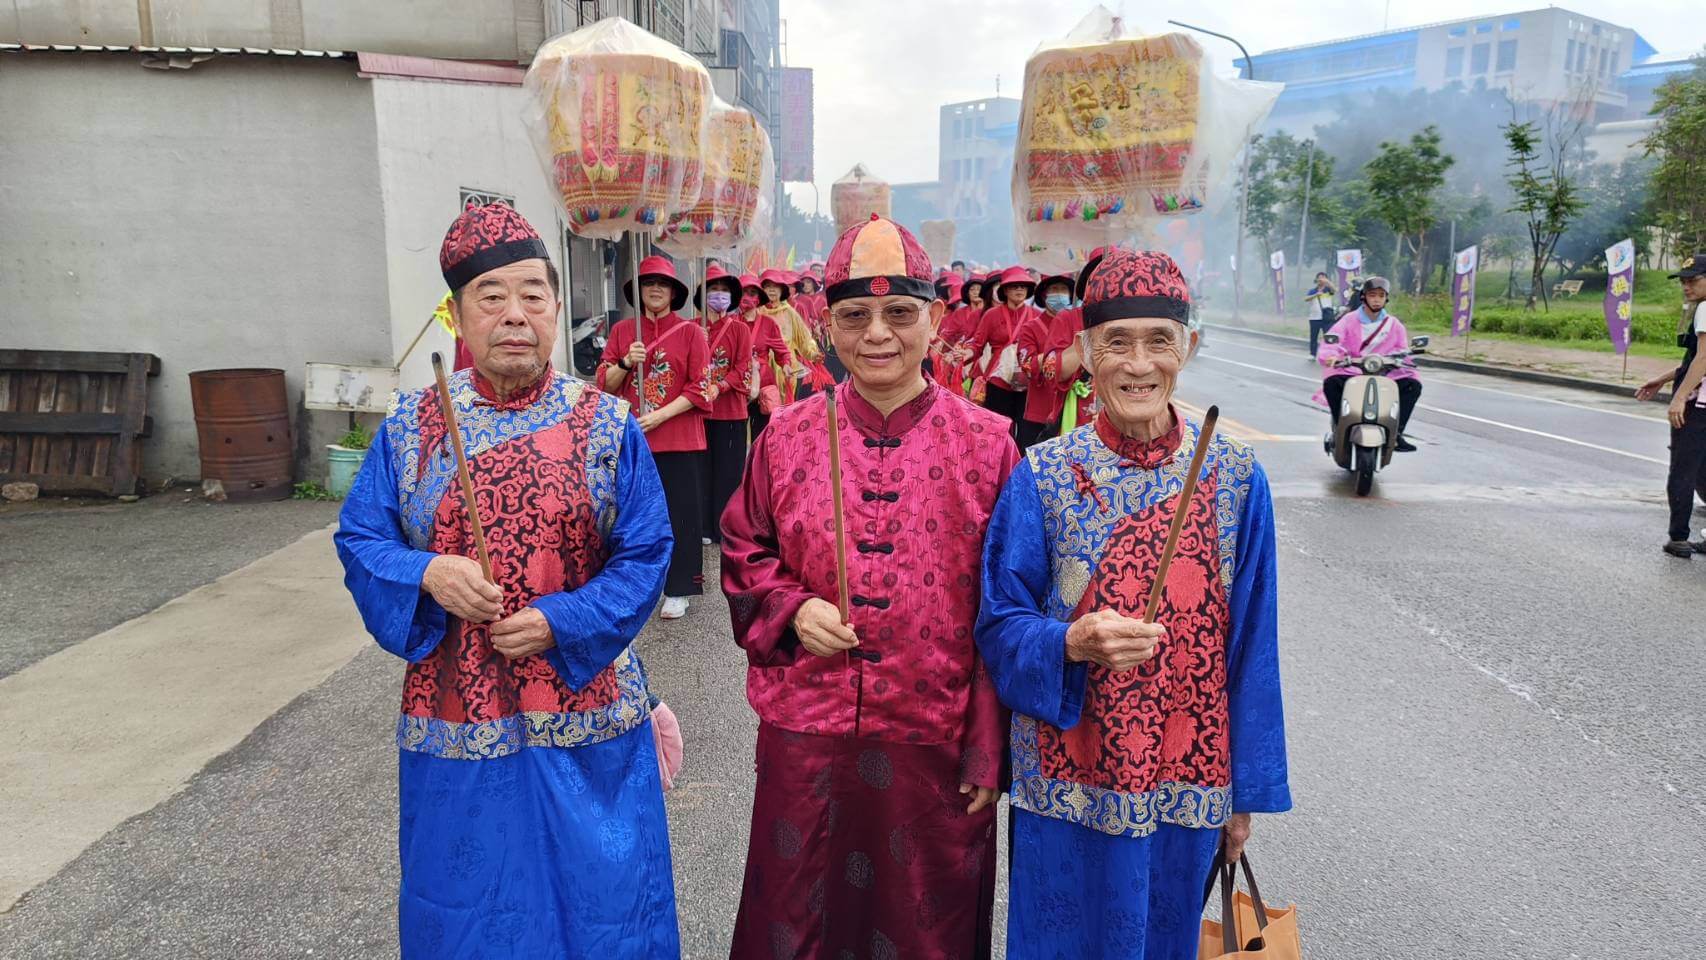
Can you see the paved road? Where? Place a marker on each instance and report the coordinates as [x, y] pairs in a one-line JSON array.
[[1493, 712]]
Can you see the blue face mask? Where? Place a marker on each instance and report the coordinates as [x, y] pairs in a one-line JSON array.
[[718, 300], [1057, 302]]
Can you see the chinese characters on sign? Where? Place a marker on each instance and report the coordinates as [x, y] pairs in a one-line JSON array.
[[1620, 293], [1350, 267], [794, 161], [1463, 291]]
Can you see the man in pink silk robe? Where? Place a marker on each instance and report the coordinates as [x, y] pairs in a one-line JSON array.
[[880, 741]]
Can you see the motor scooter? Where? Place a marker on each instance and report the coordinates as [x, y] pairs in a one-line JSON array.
[[1365, 427]]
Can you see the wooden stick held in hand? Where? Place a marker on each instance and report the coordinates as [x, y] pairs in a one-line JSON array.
[[835, 507], [1184, 507], [454, 438]]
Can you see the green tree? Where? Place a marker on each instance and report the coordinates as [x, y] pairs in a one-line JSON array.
[[1402, 179], [1615, 207], [1679, 145], [1544, 189]]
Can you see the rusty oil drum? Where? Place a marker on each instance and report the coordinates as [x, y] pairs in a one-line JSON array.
[[242, 419]]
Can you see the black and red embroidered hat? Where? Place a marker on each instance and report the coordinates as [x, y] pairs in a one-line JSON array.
[[485, 238], [875, 259], [1126, 284]]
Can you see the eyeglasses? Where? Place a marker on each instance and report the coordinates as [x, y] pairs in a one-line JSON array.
[[896, 316]]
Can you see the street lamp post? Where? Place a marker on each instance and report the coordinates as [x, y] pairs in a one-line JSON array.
[[1244, 187]]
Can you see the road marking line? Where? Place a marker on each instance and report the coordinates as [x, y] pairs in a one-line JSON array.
[[1227, 425], [1465, 416], [1542, 433], [1504, 393], [113, 726]]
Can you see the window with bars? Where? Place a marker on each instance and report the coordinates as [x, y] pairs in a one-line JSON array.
[[472, 197]]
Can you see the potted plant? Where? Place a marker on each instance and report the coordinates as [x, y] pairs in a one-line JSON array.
[[343, 459]]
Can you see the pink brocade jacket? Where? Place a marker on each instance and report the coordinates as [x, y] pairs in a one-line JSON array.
[[918, 491]]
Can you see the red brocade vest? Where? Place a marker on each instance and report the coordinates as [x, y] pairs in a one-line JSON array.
[[919, 489], [543, 464], [1152, 744]]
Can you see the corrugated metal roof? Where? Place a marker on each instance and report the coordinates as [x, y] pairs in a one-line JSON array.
[[171, 51]]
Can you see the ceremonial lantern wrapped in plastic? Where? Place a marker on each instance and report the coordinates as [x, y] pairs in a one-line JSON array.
[[1119, 131], [618, 118], [937, 238], [856, 196], [733, 211]]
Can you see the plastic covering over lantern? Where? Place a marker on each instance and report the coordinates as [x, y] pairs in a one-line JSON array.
[[733, 212], [856, 196], [937, 238], [618, 117], [1119, 132]]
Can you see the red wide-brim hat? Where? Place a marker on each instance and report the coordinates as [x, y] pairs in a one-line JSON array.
[[657, 267]]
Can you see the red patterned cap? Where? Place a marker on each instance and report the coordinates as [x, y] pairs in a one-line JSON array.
[[485, 238], [877, 258], [1124, 284]]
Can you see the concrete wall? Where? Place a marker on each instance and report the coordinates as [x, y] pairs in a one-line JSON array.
[[465, 29], [223, 216], [433, 140]]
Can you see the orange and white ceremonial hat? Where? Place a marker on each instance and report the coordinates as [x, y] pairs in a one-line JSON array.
[[878, 258]]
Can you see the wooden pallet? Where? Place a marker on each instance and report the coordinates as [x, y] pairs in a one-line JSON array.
[[70, 420]]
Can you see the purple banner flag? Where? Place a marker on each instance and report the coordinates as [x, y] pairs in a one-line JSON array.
[[1350, 271], [1463, 291], [1276, 263], [1620, 294]]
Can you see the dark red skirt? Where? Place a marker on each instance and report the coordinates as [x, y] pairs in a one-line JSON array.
[[863, 848]]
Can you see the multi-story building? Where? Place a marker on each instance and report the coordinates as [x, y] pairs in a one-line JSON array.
[[266, 182], [974, 168], [1544, 56]]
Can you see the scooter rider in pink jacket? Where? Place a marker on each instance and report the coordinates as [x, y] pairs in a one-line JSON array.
[[1369, 329]]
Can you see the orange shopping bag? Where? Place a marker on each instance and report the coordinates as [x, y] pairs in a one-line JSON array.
[[1248, 929]]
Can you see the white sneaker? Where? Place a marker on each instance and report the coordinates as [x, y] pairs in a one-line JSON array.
[[674, 608]]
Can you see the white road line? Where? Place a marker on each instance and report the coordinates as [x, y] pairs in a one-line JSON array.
[[1465, 416], [1503, 393], [1542, 433]]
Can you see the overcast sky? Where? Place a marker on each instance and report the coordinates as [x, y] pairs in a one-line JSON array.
[[883, 67]]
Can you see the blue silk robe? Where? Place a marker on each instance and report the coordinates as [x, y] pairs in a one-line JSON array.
[[532, 820], [1121, 781]]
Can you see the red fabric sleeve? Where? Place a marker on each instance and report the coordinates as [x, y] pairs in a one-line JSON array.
[[698, 354], [763, 595], [615, 348], [1033, 342]]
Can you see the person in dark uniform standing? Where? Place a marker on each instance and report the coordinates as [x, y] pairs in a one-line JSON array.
[[1687, 413]]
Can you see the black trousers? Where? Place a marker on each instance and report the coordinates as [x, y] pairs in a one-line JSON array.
[[1030, 433], [756, 419], [1008, 403], [725, 461], [1409, 391], [683, 476], [1687, 464], [1318, 326]]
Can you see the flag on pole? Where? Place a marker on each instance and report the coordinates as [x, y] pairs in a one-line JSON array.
[[1620, 294], [1349, 264], [1276, 263], [1463, 290]]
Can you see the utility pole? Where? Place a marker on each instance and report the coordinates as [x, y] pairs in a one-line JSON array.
[[1303, 231], [1244, 191]]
